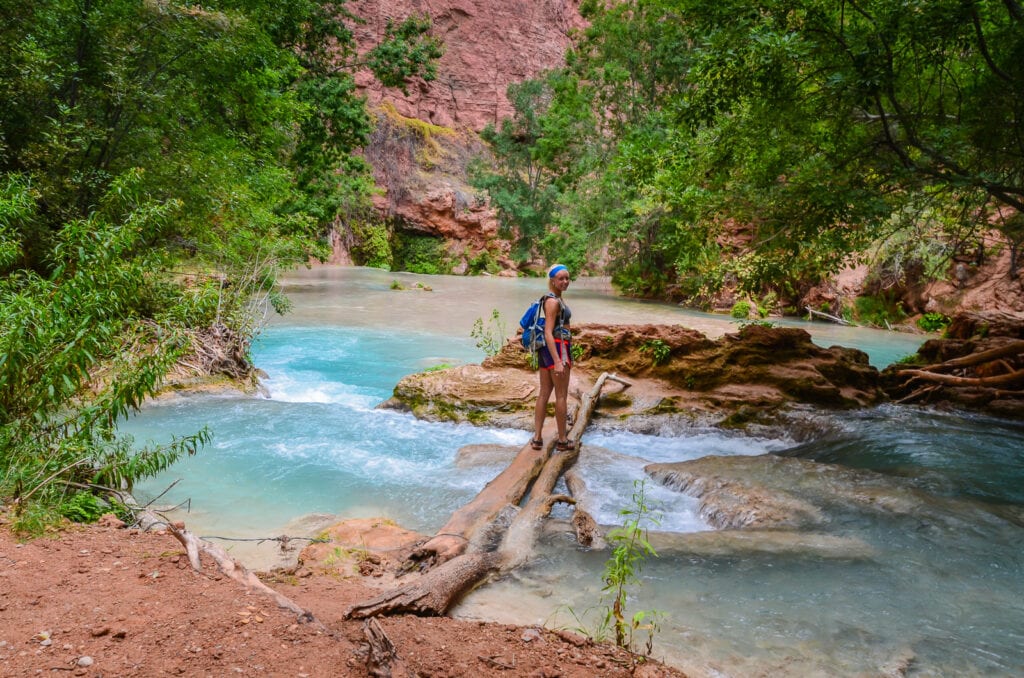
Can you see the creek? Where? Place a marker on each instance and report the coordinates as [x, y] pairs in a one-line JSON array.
[[915, 563]]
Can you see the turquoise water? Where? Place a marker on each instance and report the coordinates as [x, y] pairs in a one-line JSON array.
[[916, 559]]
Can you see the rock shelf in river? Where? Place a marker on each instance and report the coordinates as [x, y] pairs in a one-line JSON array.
[[676, 373]]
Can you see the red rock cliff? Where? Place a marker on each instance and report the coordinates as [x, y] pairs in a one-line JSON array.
[[488, 45]]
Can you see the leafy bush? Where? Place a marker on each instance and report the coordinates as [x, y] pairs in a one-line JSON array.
[[83, 507], [419, 254], [630, 548], [880, 310], [489, 338], [73, 364], [577, 351], [741, 309], [372, 246], [484, 262], [933, 322], [658, 349]]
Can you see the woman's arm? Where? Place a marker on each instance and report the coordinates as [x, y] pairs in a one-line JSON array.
[[551, 310]]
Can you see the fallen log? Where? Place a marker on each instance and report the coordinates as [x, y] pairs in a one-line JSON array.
[[441, 586], [522, 534], [465, 525], [953, 380], [819, 314], [972, 359]]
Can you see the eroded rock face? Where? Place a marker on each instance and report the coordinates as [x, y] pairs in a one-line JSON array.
[[675, 372], [489, 44]]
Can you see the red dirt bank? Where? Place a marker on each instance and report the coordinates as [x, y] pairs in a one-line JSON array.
[[101, 601]]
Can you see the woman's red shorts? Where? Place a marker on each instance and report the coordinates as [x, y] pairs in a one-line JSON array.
[[563, 349]]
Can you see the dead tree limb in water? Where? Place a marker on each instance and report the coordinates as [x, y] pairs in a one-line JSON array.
[[588, 533], [953, 380], [972, 359], [820, 314], [442, 585]]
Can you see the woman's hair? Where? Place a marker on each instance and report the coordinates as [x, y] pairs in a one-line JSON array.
[[555, 268], [552, 272]]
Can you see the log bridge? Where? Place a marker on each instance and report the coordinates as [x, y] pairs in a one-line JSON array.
[[496, 531]]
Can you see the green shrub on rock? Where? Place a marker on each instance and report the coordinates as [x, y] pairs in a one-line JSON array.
[[741, 309]]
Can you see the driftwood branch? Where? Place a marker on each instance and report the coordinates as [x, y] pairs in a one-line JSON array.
[[953, 380], [230, 567], [820, 314], [973, 359], [918, 394], [588, 533], [382, 660]]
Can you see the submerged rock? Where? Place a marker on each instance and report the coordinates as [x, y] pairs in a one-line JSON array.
[[718, 543], [771, 491], [735, 500], [470, 456]]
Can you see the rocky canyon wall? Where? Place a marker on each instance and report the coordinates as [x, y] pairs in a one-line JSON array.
[[489, 44]]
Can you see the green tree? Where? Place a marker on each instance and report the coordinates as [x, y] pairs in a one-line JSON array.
[[521, 187], [75, 357], [160, 163], [761, 144]]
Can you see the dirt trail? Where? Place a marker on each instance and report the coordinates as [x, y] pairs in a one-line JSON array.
[[101, 601]]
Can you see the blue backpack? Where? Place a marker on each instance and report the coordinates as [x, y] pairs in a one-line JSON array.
[[532, 323]]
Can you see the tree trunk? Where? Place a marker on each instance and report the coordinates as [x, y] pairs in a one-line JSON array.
[[953, 380], [972, 359], [447, 581]]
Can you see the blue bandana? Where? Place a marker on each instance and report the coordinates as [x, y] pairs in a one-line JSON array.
[[554, 271]]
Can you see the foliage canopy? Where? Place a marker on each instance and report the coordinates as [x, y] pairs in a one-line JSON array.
[[763, 143], [160, 163]]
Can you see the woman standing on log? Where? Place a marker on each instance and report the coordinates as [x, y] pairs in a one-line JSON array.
[[554, 360]]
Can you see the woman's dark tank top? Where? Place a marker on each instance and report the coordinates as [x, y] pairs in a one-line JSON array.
[[562, 321]]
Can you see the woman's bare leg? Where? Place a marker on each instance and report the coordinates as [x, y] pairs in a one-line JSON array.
[[540, 410], [561, 383]]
